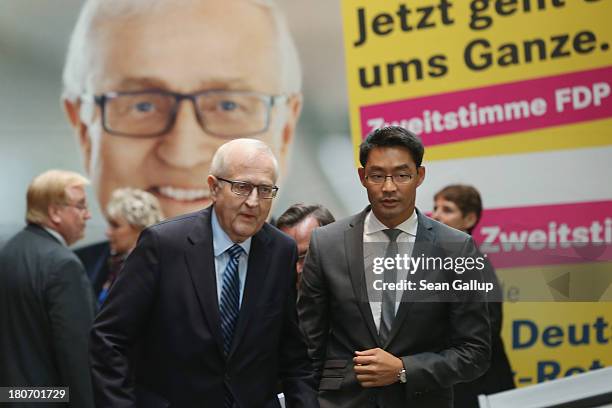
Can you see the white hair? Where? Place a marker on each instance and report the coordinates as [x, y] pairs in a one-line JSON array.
[[139, 208], [221, 161], [93, 11]]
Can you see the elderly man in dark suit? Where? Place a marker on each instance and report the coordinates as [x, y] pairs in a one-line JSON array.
[[396, 347], [46, 304], [203, 313]]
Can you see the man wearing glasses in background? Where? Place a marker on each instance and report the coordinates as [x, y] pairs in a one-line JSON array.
[[389, 348], [46, 304], [203, 313], [152, 89]]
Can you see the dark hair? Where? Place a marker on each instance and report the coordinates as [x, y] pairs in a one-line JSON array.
[[467, 198], [298, 212], [392, 136]]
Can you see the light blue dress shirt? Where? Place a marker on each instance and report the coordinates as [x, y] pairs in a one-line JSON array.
[[221, 243]]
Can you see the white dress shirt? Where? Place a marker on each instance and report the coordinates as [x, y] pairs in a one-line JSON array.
[[56, 235], [373, 233]]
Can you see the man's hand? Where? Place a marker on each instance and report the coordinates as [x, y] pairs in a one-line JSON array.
[[376, 367]]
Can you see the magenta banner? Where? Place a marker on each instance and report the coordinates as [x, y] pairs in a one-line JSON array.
[[547, 234], [498, 109]]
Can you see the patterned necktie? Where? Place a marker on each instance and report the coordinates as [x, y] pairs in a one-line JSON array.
[[229, 306], [387, 314]]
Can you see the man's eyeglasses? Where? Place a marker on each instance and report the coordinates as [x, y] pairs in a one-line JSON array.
[[244, 188], [221, 113], [78, 206], [402, 178]]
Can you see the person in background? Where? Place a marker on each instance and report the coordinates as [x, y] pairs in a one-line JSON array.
[[460, 206], [129, 211], [298, 221], [46, 304]]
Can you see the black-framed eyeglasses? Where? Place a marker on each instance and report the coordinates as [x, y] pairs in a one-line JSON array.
[[244, 188], [151, 113], [401, 178]]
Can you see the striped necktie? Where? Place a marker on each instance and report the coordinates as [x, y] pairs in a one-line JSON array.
[[387, 314], [229, 306]]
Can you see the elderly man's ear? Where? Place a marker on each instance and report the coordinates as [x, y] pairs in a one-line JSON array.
[[213, 186], [294, 106], [73, 112], [53, 214]]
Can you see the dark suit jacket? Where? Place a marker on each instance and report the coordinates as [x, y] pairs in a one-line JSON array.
[[440, 343], [157, 340], [499, 377], [46, 311], [95, 258]]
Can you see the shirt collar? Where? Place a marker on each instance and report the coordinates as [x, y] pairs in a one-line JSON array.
[[221, 241], [56, 235], [373, 224]]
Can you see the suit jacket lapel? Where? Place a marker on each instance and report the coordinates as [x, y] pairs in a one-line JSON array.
[[422, 245], [353, 244], [201, 265], [255, 279]]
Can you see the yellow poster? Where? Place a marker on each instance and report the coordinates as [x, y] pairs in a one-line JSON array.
[[550, 340], [478, 78]]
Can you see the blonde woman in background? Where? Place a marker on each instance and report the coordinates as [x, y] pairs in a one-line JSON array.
[[129, 211]]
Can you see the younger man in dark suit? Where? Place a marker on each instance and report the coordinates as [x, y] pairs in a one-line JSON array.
[[46, 304], [394, 350]]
